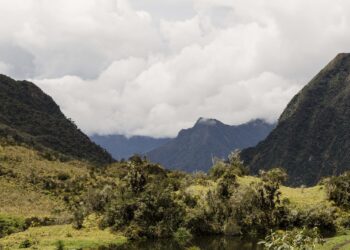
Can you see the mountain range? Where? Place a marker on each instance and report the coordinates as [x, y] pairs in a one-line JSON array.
[[31, 117], [194, 148], [122, 147], [312, 137]]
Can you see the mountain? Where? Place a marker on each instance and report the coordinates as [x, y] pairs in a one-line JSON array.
[[312, 138], [122, 147], [29, 116], [194, 148]]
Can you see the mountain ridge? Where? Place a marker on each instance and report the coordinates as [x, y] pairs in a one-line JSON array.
[[311, 139], [122, 147], [31, 117], [194, 148]]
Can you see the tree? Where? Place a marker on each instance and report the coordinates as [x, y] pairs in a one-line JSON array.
[[136, 179]]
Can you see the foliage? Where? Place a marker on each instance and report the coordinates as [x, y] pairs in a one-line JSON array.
[[26, 244], [9, 225], [275, 175], [304, 239], [60, 245], [338, 188], [182, 235], [234, 166], [143, 200]]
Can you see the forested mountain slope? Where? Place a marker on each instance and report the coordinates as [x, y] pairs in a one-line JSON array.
[[29, 116], [312, 138]]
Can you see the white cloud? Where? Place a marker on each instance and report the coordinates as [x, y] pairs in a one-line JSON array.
[[4, 68], [152, 68]]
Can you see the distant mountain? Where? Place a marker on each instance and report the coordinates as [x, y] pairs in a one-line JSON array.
[[29, 116], [312, 138], [122, 147], [193, 149]]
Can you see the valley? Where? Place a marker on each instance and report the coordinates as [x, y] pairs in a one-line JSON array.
[[59, 190]]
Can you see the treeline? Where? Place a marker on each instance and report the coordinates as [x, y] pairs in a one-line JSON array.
[[146, 201]]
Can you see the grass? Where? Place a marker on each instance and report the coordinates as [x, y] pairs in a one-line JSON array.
[[304, 197], [21, 199], [18, 201], [47, 237], [340, 242], [18, 196], [300, 197]]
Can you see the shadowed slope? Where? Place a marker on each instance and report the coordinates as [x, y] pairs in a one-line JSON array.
[[312, 138], [28, 115]]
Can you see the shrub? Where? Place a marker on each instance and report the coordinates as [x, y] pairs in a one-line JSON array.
[[25, 244], [78, 218], [182, 236], [218, 170], [136, 179], [62, 176], [275, 175], [9, 225], [304, 239], [339, 190], [59, 245]]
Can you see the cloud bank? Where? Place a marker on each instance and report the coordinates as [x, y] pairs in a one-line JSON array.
[[152, 68]]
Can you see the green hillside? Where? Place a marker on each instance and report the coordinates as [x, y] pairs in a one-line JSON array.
[[312, 138], [29, 116]]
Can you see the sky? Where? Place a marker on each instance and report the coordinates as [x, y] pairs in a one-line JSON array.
[[153, 67]]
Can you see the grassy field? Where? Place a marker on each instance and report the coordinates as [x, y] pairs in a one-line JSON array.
[[18, 195], [46, 238], [340, 242]]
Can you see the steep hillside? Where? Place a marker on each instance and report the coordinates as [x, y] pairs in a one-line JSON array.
[[193, 149], [28, 115], [122, 147], [312, 138]]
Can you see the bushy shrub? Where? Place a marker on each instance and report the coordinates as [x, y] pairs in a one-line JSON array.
[[217, 170], [182, 236], [339, 190], [304, 239], [59, 245], [62, 176], [78, 218], [37, 222], [25, 244], [96, 199], [9, 225], [199, 222], [136, 178], [275, 175]]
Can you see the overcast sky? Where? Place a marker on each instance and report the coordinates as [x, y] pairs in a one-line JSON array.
[[153, 67]]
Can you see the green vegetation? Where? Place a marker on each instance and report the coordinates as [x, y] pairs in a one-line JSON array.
[[52, 204], [311, 139], [339, 189], [52, 236], [29, 116], [304, 239], [10, 225]]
